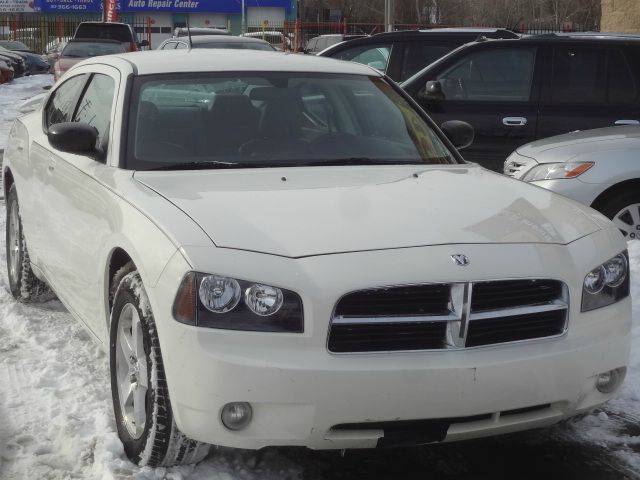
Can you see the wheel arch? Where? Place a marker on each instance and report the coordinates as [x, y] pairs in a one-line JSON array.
[[118, 259], [615, 190]]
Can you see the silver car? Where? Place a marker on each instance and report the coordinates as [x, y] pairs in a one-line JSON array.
[[599, 168]]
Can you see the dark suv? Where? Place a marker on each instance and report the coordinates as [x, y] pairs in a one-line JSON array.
[[401, 54], [121, 32], [516, 91]]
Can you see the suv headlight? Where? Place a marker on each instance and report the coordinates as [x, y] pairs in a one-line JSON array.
[[552, 171], [607, 283], [216, 301]]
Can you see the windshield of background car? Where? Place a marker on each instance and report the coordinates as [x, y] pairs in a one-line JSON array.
[[274, 119], [236, 45], [91, 49]]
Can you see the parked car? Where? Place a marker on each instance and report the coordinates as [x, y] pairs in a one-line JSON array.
[[284, 250], [401, 54], [121, 32], [599, 168], [216, 41], [54, 49], [34, 63], [197, 31], [15, 61], [77, 50], [317, 44], [516, 91], [279, 40], [6, 72]]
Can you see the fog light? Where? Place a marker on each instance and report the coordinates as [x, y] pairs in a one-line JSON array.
[[607, 382], [236, 415]]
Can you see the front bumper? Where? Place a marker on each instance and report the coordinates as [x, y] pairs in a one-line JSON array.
[[300, 392]]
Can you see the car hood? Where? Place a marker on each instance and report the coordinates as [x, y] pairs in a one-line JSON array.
[[563, 148], [299, 212]]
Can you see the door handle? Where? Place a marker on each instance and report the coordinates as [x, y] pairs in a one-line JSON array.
[[514, 121], [627, 122]]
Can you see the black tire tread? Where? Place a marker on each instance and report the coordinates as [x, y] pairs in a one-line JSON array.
[[28, 287]]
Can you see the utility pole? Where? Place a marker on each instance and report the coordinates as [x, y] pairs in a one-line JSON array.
[[389, 19], [242, 27]]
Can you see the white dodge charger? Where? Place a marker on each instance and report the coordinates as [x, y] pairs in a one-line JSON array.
[[285, 250]]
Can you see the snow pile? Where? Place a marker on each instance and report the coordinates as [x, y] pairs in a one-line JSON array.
[[13, 94]]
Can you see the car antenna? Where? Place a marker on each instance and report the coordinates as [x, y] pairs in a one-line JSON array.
[[189, 32]]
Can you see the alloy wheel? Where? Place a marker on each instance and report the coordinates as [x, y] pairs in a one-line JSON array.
[[628, 221], [14, 240], [131, 368]]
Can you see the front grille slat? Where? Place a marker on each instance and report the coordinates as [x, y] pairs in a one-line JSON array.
[[428, 317]]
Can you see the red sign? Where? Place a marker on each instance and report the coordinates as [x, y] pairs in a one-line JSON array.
[[110, 10]]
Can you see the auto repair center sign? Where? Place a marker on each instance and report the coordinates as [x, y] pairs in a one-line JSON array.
[[186, 6]]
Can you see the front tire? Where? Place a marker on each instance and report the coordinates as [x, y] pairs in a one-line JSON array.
[[24, 285], [624, 212], [139, 387]]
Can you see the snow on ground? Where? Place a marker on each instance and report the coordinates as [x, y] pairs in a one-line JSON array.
[[13, 94], [56, 419]]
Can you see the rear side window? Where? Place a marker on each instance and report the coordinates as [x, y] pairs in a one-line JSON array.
[[502, 74], [419, 55], [376, 56], [578, 75], [62, 103], [621, 85]]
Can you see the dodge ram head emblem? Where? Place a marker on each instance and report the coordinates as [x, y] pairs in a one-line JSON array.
[[460, 259]]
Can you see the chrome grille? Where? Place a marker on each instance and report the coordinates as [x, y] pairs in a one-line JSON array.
[[517, 168], [448, 316]]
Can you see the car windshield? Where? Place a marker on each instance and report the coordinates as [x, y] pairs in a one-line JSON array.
[[12, 45], [91, 49], [226, 120], [120, 33], [235, 45]]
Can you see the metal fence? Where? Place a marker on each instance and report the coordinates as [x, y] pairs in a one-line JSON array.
[[40, 31]]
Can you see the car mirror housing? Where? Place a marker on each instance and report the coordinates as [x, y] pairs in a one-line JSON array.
[[73, 137], [433, 91], [460, 133], [144, 43]]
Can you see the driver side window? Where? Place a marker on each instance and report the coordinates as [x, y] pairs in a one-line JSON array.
[[501, 74], [376, 56], [62, 104]]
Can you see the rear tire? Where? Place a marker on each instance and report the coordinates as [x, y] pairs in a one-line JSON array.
[[24, 285], [139, 387], [624, 212]]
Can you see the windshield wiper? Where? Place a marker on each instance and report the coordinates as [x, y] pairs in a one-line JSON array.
[[358, 161], [197, 165]]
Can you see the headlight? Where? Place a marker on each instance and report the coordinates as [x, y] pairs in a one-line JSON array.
[[607, 283], [217, 301], [552, 171]]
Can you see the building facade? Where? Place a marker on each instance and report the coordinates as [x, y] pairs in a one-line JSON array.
[[620, 16]]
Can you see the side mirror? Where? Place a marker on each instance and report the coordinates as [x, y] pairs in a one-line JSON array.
[[47, 87], [433, 91], [459, 133], [73, 137], [143, 43]]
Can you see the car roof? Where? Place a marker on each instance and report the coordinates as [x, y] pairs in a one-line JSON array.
[[92, 40], [470, 31], [221, 38], [184, 31], [223, 60], [104, 23]]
